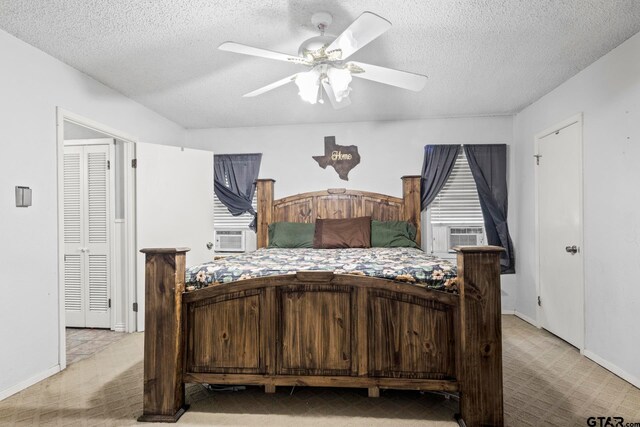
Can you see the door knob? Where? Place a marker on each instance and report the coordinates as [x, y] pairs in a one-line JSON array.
[[571, 249]]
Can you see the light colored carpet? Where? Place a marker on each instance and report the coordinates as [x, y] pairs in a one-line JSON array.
[[546, 382]]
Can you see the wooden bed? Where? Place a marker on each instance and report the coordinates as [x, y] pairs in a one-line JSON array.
[[325, 329]]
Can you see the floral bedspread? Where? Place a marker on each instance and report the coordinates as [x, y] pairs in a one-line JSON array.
[[400, 264]]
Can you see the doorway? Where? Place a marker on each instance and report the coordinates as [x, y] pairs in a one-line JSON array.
[[559, 211], [96, 219], [89, 247]]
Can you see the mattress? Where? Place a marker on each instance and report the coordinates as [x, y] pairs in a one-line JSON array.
[[400, 264]]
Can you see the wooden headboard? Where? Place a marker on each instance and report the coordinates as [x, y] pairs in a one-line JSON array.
[[336, 203]]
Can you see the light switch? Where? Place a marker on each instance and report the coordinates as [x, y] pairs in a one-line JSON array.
[[23, 197]]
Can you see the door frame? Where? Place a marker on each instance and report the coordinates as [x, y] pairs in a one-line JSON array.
[[63, 115], [577, 118]]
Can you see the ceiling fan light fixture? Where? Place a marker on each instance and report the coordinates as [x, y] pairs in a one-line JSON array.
[[326, 58], [308, 85], [339, 79]]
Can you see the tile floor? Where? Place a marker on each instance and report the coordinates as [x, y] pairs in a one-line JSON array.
[[84, 342]]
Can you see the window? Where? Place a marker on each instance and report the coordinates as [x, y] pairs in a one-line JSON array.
[[222, 218], [455, 216], [244, 167]]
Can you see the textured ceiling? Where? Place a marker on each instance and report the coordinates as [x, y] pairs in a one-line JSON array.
[[483, 57]]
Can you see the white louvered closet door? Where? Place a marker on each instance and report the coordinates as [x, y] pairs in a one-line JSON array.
[[73, 225], [87, 236]]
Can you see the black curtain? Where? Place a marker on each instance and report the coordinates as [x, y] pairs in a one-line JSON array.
[[234, 181], [488, 165], [436, 168]]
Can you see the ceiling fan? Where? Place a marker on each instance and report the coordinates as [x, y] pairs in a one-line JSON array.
[[327, 59]]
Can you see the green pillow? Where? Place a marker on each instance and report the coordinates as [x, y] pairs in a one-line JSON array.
[[393, 234], [291, 235]]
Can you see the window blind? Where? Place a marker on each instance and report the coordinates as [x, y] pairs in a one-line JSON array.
[[222, 218], [458, 202]]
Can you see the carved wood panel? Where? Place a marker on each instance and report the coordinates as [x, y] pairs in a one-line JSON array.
[[410, 337], [315, 330], [338, 206], [337, 203], [300, 210], [382, 210], [225, 335]]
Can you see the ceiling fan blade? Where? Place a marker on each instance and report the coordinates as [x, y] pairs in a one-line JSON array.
[[389, 76], [271, 86], [366, 28], [254, 51], [345, 102]]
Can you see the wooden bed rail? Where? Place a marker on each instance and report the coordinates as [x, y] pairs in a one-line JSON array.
[[179, 328]]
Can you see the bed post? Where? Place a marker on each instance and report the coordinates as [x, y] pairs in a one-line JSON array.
[[480, 335], [264, 190], [164, 399], [411, 205]]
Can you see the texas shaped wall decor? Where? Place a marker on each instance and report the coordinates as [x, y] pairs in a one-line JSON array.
[[342, 158]]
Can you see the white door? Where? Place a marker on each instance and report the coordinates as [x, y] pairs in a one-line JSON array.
[[87, 239], [174, 205], [561, 299]]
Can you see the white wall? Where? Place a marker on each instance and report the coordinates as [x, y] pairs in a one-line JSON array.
[[388, 150], [32, 84], [608, 94]]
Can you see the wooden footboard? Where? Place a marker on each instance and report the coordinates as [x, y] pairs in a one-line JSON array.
[[323, 329]]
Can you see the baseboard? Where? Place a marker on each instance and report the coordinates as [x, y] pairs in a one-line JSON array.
[[526, 318], [521, 316], [613, 368], [29, 382], [120, 327]]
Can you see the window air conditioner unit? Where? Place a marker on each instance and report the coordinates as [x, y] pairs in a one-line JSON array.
[[465, 236], [229, 241]]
